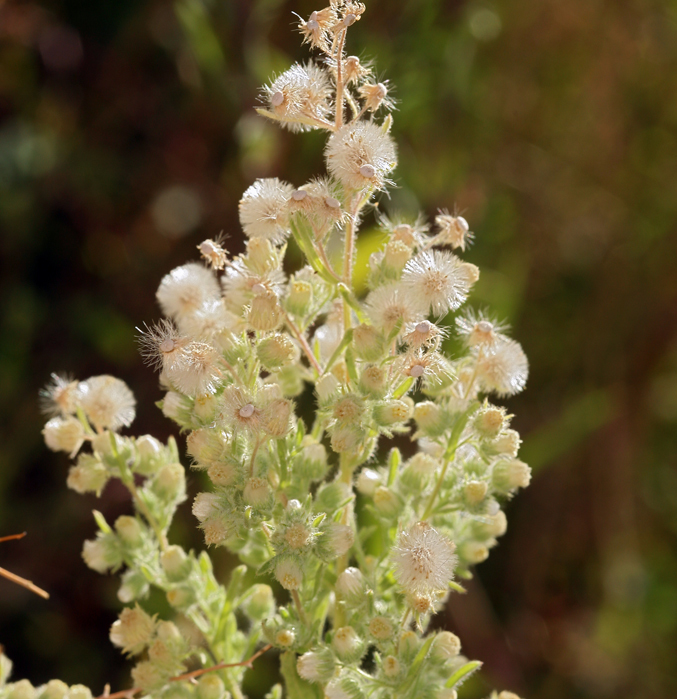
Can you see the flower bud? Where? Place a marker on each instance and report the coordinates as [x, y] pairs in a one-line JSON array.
[[54, 689], [181, 597], [381, 628], [336, 540], [215, 530], [327, 388], [446, 646], [430, 418], [261, 603], [149, 451], [175, 563], [474, 492], [134, 586], [387, 502], [311, 462], [133, 630], [350, 584], [347, 438], [474, 552], [347, 644], [493, 525], [507, 443], [275, 419], [64, 434], [285, 638], [423, 464], [222, 473], [368, 481], [89, 475], [262, 256], [391, 666], [264, 313], [205, 505], [210, 686], [391, 412], [149, 676], [396, 255], [170, 482], [316, 666], [102, 553], [299, 298], [276, 350], [173, 407], [368, 342], [204, 407], [509, 475], [289, 573], [374, 380], [331, 496], [257, 493], [22, 689], [129, 530], [489, 421]]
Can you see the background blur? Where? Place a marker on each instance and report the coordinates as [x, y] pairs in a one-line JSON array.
[[127, 136]]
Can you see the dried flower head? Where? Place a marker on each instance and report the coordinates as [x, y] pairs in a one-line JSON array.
[[60, 396], [264, 210], [424, 559], [185, 289], [361, 155], [107, 402]]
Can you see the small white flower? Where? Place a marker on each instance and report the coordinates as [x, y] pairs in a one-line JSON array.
[[503, 368], [107, 402], [424, 559], [388, 305], [438, 281], [361, 155], [299, 98], [60, 396], [264, 210], [185, 289], [64, 434]]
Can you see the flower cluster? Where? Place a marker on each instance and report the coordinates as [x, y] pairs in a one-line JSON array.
[[242, 339]]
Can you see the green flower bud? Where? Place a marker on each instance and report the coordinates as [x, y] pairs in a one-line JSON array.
[[175, 563]]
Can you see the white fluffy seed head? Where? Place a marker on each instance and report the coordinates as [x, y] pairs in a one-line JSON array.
[[438, 281], [424, 559], [107, 402], [361, 155], [185, 289], [503, 368], [264, 210]]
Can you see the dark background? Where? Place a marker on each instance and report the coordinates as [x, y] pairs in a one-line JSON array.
[[127, 135]]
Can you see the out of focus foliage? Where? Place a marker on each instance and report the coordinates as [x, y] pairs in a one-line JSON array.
[[127, 135]]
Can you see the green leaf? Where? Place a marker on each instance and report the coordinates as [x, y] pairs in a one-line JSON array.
[[101, 522], [345, 341], [462, 674]]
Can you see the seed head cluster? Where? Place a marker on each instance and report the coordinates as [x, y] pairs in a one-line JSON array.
[[290, 387]]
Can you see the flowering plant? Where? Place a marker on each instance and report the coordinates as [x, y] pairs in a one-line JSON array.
[[364, 544]]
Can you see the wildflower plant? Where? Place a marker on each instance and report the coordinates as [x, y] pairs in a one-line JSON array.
[[365, 543]]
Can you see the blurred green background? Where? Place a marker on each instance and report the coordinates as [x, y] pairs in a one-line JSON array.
[[127, 135]]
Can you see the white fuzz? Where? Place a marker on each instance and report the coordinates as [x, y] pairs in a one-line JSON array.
[[238, 410], [361, 155], [205, 505], [64, 434], [389, 305], [299, 98], [195, 369], [185, 289], [107, 402], [452, 230], [133, 630], [504, 368], [479, 330], [161, 344], [424, 559], [213, 253], [437, 281], [289, 574], [241, 284], [60, 396], [422, 334], [264, 212]]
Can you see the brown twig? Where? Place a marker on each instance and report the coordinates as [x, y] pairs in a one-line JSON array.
[[17, 578], [189, 675]]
